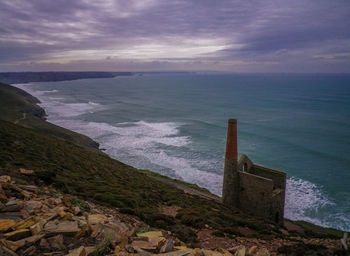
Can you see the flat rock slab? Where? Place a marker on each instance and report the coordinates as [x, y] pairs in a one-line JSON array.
[[18, 234], [64, 227], [10, 215], [94, 219], [151, 234], [5, 224]]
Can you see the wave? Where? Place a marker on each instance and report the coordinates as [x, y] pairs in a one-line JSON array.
[[307, 201], [55, 106]]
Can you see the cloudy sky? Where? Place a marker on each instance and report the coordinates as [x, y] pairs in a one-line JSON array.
[[149, 35]]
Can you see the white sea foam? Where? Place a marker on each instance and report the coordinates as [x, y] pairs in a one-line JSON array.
[[55, 106], [306, 201]]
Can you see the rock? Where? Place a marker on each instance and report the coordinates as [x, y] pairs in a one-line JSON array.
[[10, 216], [68, 216], [197, 252], [240, 251], [62, 214], [143, 245], [109, 231], [211, 253], [12, 202], [5, 179], [183, 252], [130, 249], [224, 252], [77, 252], [56, 242], [28, 240], [263, 252], [12, 208], [13, 246], [66, 202], [83, 232], [116, 249], [252, 250], [17, 234], [25, 223], [64, 227], [33, 206], [26, 172], [76, 210], [30, 250], [167, 247], [151, 234], [96, 219], [29, 188], [6, 252], [89, 249], [6, 224], [36, 228], [3, 198], [44, 243]]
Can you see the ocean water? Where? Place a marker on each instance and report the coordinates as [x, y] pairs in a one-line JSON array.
[[175, 124]]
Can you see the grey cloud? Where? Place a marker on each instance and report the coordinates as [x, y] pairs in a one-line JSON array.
[[266, 30]]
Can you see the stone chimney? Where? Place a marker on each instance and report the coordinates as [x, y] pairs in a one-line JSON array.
[[230, 189]]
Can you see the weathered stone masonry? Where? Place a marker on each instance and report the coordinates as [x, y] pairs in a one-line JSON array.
[[254, 189]]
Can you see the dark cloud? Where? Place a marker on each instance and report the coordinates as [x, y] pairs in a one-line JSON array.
[[232, 35]]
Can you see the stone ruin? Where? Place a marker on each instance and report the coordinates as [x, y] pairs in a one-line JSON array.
[[254, 189]]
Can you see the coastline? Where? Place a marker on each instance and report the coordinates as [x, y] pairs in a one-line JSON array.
[[101, 149]]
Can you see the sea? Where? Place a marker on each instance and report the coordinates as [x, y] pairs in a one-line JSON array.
[[175, 124]]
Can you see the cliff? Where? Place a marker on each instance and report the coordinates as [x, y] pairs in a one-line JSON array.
[[73, 167]]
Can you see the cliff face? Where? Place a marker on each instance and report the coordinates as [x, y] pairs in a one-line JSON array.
[[19, 107]]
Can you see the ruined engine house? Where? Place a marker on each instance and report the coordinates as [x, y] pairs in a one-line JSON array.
[[254, 189]]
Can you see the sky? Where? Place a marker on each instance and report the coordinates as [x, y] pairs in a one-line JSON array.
[[160, 35]]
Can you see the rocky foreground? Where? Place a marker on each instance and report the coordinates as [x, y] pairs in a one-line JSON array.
[[41, 221]]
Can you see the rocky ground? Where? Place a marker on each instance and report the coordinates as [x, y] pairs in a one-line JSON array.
[[41, 221]]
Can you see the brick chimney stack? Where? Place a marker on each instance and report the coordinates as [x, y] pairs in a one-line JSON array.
[[230, 190]]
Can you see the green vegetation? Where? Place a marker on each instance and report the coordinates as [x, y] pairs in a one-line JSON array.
[[17, 106], [74, 167], [317, 231]]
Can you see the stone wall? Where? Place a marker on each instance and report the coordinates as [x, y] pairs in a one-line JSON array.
[[255, 194]]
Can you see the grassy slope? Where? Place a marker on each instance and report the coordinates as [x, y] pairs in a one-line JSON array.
[[14, 102], [93, 175]]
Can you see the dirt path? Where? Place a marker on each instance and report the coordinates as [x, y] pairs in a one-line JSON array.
[[24, 115], [189, 190]]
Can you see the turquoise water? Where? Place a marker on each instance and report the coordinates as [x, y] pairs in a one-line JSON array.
[[176, 125]]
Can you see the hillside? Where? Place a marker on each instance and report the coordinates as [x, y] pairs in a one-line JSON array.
[[67, 161], [25, 77], [19, 107]]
